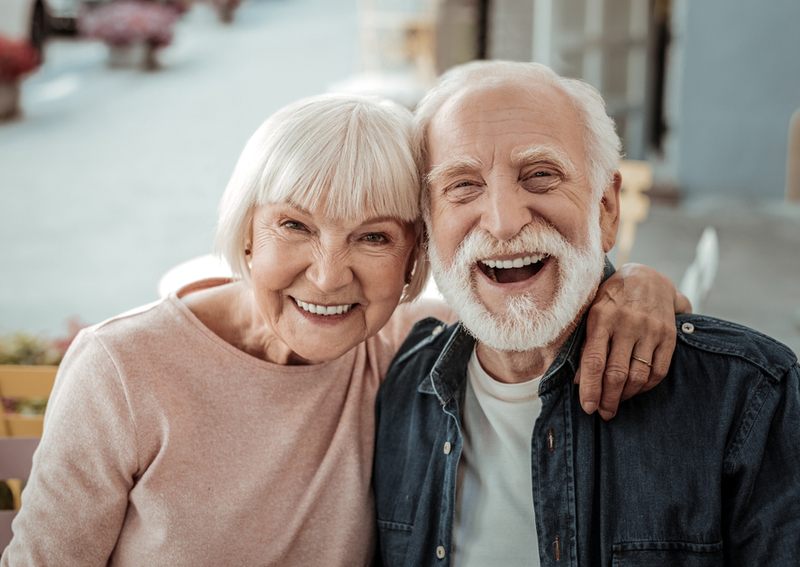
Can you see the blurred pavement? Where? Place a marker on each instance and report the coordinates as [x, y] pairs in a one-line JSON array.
[[758, 282], [112, 177]]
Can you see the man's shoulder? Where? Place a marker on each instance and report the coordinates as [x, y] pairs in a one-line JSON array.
[[419, 352], [704, 336]]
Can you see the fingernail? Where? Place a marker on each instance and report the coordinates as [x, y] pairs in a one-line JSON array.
[[606, 415], [589, 407]]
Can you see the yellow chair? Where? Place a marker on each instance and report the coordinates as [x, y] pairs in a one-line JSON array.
[[16, 457], [637, 177], [25, 382]]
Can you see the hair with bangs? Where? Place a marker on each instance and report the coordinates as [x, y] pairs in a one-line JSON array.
[[602, 145], [349, 156]]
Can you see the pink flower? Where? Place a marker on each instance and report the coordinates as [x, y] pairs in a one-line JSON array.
[[16, 59], [129, 21]]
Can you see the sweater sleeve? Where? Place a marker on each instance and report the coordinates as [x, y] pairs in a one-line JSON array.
[[76, 498], [762, 496]]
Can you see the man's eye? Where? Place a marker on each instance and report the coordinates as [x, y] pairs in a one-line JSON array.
[[375, 237], [540, 182], [539, 174]]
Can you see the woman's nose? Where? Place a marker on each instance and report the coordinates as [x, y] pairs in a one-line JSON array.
[[505, 212], [330, 271]]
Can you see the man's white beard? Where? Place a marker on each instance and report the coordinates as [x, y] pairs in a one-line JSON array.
[[523, 325]]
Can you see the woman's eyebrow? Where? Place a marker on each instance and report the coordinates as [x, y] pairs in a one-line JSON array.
[[543, 154], [453, 166]]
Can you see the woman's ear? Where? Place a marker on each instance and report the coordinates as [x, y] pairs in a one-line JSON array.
[[609, 212]]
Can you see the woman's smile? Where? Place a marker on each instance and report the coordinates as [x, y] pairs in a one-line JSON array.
[[323, 310]]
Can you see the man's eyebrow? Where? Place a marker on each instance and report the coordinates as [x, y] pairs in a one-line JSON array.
[[543, 154], [453, 166]]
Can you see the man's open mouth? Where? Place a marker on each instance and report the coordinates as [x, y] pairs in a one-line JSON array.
[[511, 271]]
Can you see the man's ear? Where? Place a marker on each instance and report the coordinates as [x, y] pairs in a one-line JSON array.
[[609, 212]]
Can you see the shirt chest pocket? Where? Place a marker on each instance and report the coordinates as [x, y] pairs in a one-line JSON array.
[[394, 539], [667, 554]]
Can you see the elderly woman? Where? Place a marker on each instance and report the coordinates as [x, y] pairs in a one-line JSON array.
[[232, 423]]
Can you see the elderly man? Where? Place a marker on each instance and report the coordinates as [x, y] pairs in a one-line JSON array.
[[483, 454]]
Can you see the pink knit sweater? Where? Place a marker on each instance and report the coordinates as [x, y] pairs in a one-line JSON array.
[[165, 445]]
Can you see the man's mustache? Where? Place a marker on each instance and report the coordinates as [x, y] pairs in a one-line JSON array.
[[536, 237]]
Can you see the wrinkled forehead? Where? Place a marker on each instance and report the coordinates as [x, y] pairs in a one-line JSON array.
[[512, 113]]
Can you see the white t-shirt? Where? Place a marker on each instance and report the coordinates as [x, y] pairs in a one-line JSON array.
[[494, 520]]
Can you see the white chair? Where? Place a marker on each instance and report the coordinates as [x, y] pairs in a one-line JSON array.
[[196, 269], [700, 274]]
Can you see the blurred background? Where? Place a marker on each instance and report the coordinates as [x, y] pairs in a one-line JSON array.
[[121, 121]]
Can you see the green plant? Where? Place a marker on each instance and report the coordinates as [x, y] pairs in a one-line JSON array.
[[27, 348]]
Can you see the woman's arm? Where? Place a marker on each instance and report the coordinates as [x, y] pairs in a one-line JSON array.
[[633, 314], [76, 498]]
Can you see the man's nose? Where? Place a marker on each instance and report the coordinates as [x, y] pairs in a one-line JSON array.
[[506, 211], [330, 270]]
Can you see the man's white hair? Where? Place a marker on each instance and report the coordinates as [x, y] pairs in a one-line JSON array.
[[349, 156], [602, 146]]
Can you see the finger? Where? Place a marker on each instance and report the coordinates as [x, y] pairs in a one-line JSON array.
[[577, 379], [662, 357], [593, 364], [616, 374], [638, 372]]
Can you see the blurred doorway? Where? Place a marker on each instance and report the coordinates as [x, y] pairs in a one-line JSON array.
[[618, 46]]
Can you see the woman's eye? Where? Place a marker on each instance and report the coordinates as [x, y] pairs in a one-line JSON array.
[[375, 237], [294, 225]]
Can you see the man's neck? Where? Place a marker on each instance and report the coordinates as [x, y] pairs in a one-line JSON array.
[[515, 367]]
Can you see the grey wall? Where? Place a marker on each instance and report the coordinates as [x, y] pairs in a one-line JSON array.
[[739, 85], [509, 30]]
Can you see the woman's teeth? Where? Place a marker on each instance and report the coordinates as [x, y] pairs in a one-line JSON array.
[[323, 309], [518, 263]]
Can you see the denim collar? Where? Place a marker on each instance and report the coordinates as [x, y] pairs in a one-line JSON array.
[[450, 370]]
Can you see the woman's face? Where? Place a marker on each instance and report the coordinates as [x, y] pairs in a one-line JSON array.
[[324, 286]]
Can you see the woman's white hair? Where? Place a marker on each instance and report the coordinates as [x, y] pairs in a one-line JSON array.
[[602, 145], [349, 156]]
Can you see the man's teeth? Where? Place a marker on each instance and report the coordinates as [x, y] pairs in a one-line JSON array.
[[323, 309], [518, 263]]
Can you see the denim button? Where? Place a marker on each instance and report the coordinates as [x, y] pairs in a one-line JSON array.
[[440, 552], [447, 447], [687, 328], [436, 330]]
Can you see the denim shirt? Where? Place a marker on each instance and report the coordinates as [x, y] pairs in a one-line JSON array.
[[702, 470]]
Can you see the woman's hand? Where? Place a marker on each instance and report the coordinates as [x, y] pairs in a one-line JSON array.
[[633, 315]]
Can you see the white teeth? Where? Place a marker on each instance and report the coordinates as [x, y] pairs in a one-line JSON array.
[[323, 309], [518, 263]]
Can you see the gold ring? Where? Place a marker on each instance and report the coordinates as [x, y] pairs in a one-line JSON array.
[[641, 360]]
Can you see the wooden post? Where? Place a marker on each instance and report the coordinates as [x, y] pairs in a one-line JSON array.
[[793, 159]]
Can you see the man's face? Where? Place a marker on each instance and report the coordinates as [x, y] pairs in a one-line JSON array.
[[517, 239]]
